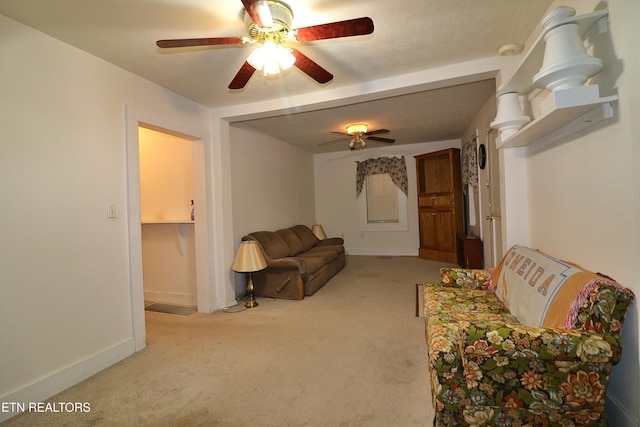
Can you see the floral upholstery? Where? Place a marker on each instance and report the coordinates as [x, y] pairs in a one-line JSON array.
[[487, 369]]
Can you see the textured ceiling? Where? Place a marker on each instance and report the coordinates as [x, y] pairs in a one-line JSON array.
[[418, 117], [410, 35]]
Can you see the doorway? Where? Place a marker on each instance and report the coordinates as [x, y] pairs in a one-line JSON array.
[[492, 205], [206, 299], [167, 214]]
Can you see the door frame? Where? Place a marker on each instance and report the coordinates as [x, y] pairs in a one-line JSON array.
[[133, 120], [491, 219]]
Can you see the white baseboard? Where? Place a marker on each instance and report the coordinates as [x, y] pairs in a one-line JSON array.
[[51, 384], [381, 252], [171, 298], [618, 415]]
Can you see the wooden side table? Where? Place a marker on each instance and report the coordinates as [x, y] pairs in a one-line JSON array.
[[469, 250]]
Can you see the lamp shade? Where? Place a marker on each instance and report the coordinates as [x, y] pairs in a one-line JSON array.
[[249, 258], [319, 231]]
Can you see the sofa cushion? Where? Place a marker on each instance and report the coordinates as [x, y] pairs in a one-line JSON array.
[[337, 249], [305, 235], [310, 264], [448, 299], [540, 289], [325, 256], [273, 245], [295, 245]]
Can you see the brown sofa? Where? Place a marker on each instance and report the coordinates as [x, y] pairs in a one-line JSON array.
[[298, 263]]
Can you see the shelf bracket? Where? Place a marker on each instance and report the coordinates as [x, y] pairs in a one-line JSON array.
[[600, 27], [182, 231]]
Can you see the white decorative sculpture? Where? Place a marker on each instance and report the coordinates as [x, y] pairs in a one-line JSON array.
[[509, 118], [566, 63]]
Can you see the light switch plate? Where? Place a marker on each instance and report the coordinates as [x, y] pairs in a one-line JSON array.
[[112, 211]]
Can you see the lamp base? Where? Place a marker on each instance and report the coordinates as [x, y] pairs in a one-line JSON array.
[[251, 302]]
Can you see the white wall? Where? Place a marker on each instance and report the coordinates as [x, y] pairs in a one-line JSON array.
[[271, 185], [337, 205], [583, 195], [166, 177], [65, 283]]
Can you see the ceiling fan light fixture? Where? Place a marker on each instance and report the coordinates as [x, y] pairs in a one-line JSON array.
[[357, 143], [271, 58], [357, 128], [285, 58]]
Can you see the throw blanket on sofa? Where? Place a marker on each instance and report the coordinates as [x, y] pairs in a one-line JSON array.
[[552, 286]]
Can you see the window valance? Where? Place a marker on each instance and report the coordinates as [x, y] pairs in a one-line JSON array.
[[394, 166], [470, 163]]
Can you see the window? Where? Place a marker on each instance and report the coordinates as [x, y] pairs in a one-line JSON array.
[[382, 199], [383, 207]]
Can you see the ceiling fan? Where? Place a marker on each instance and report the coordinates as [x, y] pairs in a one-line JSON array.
[[357, 135], [269, 25]]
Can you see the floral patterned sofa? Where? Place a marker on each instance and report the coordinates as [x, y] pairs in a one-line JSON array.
[[531, 343]]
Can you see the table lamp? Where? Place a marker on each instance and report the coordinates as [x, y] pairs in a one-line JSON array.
[[319, 231], [249, 259]]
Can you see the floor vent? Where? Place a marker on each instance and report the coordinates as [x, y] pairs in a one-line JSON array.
[[384, 257]]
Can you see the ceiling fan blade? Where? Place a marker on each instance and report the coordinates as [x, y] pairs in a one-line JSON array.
[[243, 76], [211, 41], [380, 139], [259, 12], [350, 27], [377, 132], [330, 142], [340, 133], [310, 68]]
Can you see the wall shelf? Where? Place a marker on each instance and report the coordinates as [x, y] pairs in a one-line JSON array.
[[580, 115], [562, 112]]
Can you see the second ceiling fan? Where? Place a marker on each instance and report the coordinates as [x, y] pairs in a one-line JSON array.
[[269, 25], [357, 135]]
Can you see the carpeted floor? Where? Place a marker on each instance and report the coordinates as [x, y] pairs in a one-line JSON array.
[[353, 354]]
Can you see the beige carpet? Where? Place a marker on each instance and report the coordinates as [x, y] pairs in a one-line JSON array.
[[353, 354]]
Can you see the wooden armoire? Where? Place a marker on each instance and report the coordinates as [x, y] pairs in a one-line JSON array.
[[440, 211]]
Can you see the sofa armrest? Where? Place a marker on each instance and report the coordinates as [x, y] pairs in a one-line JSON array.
[[507, 342], [331, 241], [465, 278]]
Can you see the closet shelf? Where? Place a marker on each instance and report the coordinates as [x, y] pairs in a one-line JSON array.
[[167, 221], [182, 231]]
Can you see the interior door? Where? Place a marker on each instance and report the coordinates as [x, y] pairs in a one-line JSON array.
[[493, 220]]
